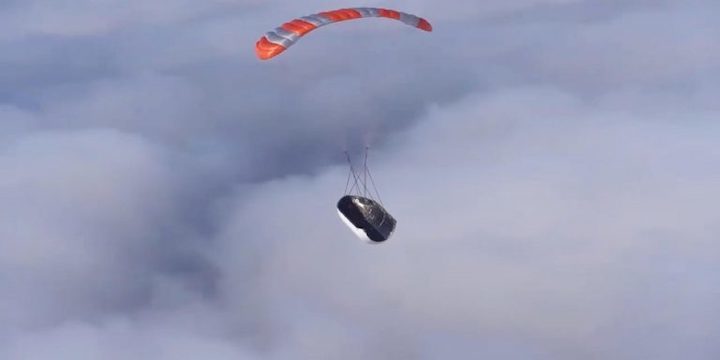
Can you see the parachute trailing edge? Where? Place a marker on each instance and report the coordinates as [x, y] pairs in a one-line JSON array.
[[275, 42]]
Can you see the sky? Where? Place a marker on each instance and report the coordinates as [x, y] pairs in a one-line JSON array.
[[552, 165]]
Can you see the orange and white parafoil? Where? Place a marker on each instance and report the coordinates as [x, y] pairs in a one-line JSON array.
[[275, 42]]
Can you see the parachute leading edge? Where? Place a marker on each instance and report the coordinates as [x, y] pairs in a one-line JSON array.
[[275, 42]]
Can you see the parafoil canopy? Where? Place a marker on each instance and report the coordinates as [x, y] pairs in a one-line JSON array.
[[275, 42]]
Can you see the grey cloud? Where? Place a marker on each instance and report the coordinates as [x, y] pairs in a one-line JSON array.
[[87, 219], [167, 196]]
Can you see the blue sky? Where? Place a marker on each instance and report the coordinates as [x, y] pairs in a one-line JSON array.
[[552, 165]]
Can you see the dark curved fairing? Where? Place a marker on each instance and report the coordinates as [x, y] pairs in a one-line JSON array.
[[366, 217]]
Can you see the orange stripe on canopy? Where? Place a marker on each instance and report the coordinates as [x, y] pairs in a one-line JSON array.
[[277, 41]]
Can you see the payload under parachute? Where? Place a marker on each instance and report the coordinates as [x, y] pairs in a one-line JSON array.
[[366, 217]]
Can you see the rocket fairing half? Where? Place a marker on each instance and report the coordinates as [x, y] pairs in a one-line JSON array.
[[366, 218]]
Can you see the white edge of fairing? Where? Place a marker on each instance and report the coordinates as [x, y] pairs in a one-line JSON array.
[[358, 232]]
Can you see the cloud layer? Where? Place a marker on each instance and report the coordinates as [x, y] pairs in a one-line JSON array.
[[550, 164]]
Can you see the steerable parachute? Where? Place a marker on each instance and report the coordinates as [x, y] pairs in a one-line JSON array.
[[363, 213], [275, 42]]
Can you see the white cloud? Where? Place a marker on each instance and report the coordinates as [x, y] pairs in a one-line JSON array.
[[165, 195], [81, 218]]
